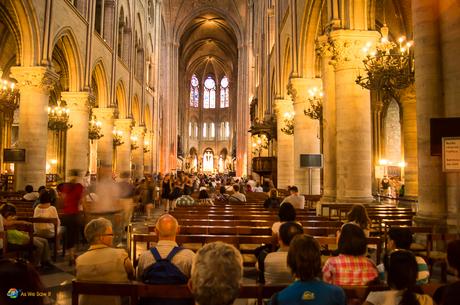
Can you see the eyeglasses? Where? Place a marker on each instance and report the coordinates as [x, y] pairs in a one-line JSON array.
[[111, 234]]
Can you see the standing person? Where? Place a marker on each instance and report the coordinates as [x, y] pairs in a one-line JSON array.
[[70, 194], [402, 272], [102, 262], [166, 190], [304, 261]]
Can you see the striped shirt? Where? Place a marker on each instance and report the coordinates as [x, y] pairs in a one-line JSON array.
[[349, 270], [423, 275]]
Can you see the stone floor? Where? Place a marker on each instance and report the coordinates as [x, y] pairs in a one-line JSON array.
[[59, 279]]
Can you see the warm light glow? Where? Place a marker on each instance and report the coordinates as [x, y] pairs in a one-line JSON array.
[[146, 143], [134, 138], [54, 161], [383, 162], [402, 164]]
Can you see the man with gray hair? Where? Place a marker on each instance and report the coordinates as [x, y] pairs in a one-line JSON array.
[[216, 274], [166, 229]]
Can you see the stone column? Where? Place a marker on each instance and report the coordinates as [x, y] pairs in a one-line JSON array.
[[329, 121], [428, 81], [148, 155], [138, 154], [124, 151], [77, 153], [306, 135], [105, 144], [409, 131], [34, 85], [285, 153], [353, 113]]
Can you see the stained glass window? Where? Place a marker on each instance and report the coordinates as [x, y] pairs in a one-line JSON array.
[[194, 92], [213, 130], [224, 98], [205, 130], [209, 96]]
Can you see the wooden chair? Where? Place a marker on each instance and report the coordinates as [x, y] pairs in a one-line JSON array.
[[12, 250], [54, 240], [436, 251]]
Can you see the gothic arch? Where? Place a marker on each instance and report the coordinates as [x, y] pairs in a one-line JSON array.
[[148, 118], [100, 78], [136, 110], [310, 30], [120, 99], [66, 42], [287, 67]]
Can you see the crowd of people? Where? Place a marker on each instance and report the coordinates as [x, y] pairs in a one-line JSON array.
[[214, 273]]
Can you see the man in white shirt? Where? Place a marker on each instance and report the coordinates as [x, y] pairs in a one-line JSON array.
[[166, 229], [297, 200]]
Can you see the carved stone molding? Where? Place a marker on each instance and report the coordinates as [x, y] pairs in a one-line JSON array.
[[37, 78], [323, 47], [282, 106], [124, 124], [291, 90], [347, 47], [104, 114], [139, 131], [76, 101]]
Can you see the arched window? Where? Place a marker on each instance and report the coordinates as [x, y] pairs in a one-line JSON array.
[[209, 97], [98, 17], [227, 130], [196, 130], [224, 103], [194, 92], [212, 132], [205, 130], [189, 129]]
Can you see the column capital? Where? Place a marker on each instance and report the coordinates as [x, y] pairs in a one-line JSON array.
[[298, 88], [139, 131], [41, 78], [282, 106], [77, 101], [347, 47], [104, 113], [324, 47], [124, 124]]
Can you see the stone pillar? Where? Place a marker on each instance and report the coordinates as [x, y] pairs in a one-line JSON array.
[[285, 153], [105, 144], [138, 154], [409, 131], [428, 81], [34, 85], [353, 115], [148, 155], [124, 151], [329, 121], [306, 135], [450, 42], [77, 153]]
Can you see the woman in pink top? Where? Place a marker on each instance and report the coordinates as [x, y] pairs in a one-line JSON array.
[[351, 266]]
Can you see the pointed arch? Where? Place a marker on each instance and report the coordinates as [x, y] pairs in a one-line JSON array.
[[287, 67], [120, 99], [136, 110], [148, 118], [99, 77], [66, 42]]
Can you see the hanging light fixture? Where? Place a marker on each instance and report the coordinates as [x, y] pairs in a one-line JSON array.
[[134, 144], [95, 129], [389, 66], [146, 146], [314, 104], [58, 117], [288, 123], [9, 95], [117, 138]]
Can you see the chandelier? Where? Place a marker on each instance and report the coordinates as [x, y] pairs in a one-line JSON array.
[[288, 123], [315, 99], [259, 143], [58, 117], [146, 146], [95, 129], [389, 66], [134, 144], [117, 138], [9, 95]]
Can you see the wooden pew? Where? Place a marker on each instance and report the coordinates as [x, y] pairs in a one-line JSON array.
[[54, 222]]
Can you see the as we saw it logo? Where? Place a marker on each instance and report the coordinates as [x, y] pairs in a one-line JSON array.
[[13, 293]]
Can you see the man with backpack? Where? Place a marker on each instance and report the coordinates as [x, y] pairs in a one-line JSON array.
[[166, 263]]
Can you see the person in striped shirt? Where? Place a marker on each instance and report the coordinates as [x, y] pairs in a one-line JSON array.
[[351, 266], [400, 238]]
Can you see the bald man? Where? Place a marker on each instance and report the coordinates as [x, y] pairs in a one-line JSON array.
[[166, 228]]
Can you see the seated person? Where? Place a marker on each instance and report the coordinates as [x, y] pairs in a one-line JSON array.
[[297, 200], [274, 267], [285, 213], [358, 216], [217, 273], [401, 268], [273, 201], [102, 263], [45, 210], [258, 188], [185, 200], [304, 260], [401, 239], [30, 195], [203, 198], [237, 197], [41, 255], [222, 196], [450, 294], [351, 266]]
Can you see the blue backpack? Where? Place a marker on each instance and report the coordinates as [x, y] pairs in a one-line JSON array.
[[163, 271]]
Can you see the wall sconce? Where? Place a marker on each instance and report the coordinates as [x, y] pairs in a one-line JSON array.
[[315, 101], [117, 138], [134, 144], [259, 143], [146, 146], [288, 123]]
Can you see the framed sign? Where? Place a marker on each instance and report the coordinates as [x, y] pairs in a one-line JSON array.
[[451, 154]]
